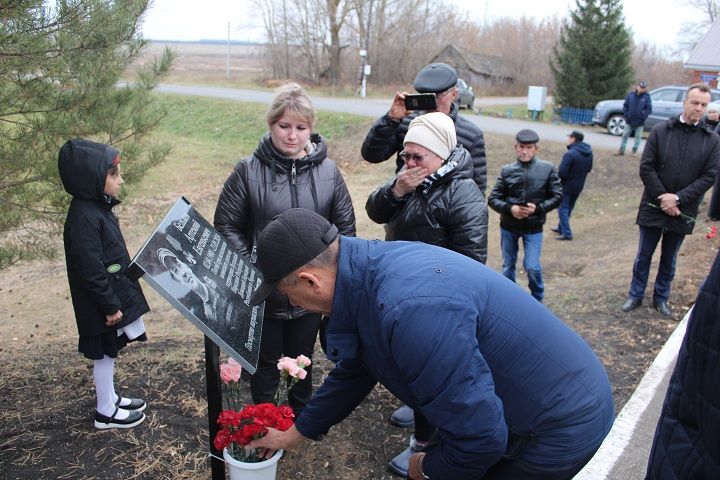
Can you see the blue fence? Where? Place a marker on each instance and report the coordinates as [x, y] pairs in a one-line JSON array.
[[582, 116]]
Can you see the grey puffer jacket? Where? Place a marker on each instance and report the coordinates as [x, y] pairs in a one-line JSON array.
[[680, 159], [450, 213], [264, 185], [386, 136], [535, 182]]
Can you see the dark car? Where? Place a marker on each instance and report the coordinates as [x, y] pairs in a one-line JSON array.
[[466, 97], [666, 102]]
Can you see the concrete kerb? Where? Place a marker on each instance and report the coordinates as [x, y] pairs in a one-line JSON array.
[[627, 446]]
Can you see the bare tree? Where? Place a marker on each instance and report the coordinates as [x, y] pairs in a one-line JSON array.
[[690, 33]]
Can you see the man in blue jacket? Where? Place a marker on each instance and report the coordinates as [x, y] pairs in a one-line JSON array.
[[637, 107], [512, 390], [574, 169]]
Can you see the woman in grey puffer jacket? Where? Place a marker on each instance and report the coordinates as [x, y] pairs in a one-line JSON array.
[[433, 199], [289, 169]]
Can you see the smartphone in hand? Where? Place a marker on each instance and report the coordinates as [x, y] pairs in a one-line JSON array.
[[421, 101]]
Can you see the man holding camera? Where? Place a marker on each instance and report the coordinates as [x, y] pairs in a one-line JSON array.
[[386, 136]]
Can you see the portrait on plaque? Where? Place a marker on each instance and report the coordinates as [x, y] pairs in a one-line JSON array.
[[192, 266]]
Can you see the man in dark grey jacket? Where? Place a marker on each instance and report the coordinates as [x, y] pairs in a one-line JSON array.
[[385, 138], [678, 166], [523, 194]]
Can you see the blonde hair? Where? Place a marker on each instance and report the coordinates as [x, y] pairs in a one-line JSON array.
[[291, 98]]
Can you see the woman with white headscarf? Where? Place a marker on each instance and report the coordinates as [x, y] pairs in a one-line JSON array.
[[433, 199]]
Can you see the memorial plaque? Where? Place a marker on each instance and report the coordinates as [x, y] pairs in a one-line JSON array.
[[194, 268]]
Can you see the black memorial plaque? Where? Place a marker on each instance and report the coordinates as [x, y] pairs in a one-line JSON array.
[[194, 268]]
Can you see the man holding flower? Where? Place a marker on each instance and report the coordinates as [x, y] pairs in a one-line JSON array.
[[513, 391]]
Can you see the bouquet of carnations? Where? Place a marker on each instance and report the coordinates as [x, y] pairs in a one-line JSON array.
[[240, 427]]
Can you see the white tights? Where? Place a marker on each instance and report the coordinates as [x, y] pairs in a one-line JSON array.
[[103, 374]]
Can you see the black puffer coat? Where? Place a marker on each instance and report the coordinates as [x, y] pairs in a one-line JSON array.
[[535, 182], [679, 159], [687, 439], [95, 253], [266, 184], [386, 136], [452, 213]]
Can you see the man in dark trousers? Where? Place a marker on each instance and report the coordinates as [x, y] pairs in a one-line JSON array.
[[687, 438], [386, 136], [574, 168], [637, 107], [678, 166], [513, 391], [523, 194]]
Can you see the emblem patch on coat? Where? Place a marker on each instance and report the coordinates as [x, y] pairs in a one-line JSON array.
[[114, 268]]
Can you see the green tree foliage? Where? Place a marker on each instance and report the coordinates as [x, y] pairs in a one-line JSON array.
[[61, 65], [591, 62]]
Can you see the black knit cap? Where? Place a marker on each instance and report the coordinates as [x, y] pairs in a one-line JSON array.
[[291, 240], [435, 78]]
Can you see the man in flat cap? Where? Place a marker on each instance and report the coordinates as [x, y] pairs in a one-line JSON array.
[[512, 390], [523, 194], [385, 137], [574, 169]]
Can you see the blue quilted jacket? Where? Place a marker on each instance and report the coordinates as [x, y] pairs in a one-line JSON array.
[[492, 368]]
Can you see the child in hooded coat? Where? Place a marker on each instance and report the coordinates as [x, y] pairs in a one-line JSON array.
[[108, 303]]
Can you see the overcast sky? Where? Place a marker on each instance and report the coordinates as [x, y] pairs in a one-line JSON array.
[[654, 21]]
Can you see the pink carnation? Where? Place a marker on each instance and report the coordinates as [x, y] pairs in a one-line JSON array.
[[230, 371], [303, 361]]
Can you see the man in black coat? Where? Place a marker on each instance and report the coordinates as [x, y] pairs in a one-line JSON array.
[[386, 136], [574, 169], [687, 438], [523, 194], [678, 166]]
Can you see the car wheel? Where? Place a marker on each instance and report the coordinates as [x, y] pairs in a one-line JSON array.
[[616, 124], [471, 104]]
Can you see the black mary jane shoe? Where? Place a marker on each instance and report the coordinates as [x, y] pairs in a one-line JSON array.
[[103, 422], [136, 404]]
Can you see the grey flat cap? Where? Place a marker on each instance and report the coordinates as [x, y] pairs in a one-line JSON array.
[[527, 136]]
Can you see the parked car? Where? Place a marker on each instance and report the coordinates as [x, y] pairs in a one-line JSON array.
[[666, 102], [466, 97]]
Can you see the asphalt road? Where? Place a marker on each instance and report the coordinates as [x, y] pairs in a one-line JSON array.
[[375, 107]]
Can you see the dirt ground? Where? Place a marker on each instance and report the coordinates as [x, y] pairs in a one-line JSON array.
[[46, 390]]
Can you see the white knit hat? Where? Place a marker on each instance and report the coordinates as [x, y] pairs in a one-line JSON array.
[[434, 131]]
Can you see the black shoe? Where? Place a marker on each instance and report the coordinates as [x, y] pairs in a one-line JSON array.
[[555, 230], [631, 304], [135, 404], [134, 418], [403, 417], [662, 307], [563, 237]]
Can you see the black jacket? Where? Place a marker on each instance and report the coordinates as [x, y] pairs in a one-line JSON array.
[[687, 438], [526, 182], [679, 159], [95, 253], [264, 185], [450, 213], [575, 166], [386, 136]]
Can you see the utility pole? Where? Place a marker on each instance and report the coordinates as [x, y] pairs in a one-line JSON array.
[[227, 56], [364, 54]]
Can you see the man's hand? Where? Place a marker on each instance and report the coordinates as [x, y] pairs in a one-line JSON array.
[[521, 212], [114, 318], [414, 470], [275, 440], [669, 204], [397, 109], [408, 179]]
